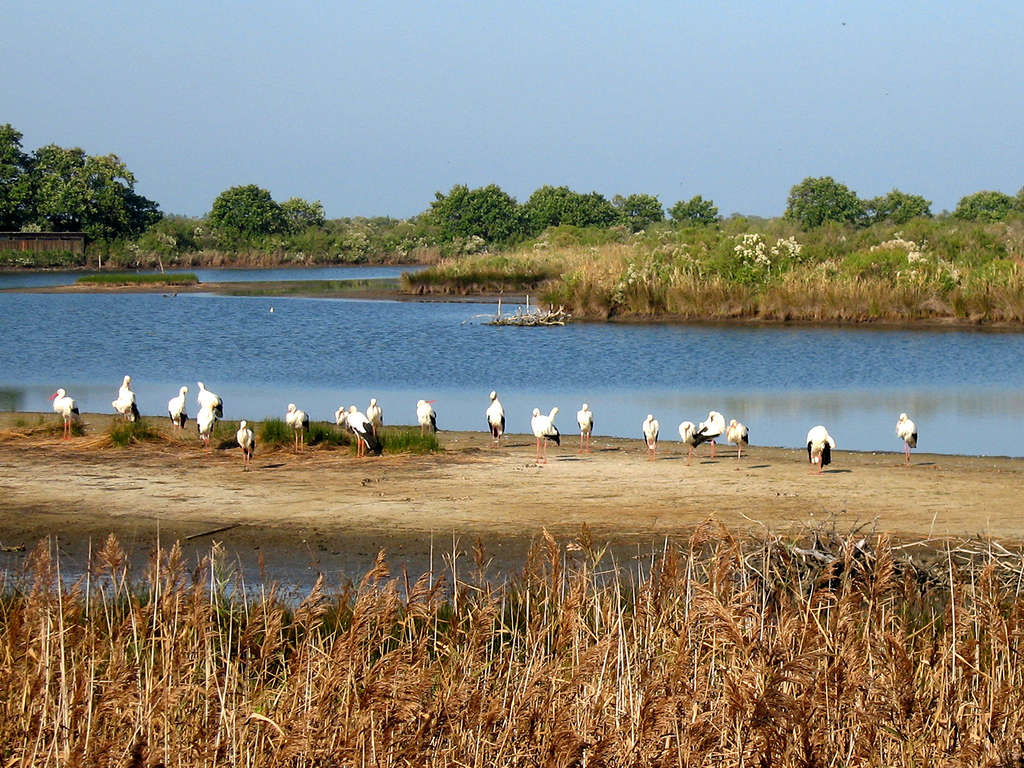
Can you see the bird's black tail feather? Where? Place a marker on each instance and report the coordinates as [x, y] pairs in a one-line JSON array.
[[134, 413]]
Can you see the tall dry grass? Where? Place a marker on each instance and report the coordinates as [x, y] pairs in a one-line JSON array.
[[833, 652]]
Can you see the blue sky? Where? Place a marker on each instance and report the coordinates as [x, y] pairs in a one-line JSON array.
[[372, 107]]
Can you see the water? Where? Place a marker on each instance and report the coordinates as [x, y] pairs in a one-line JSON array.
[[964, 388], [69, 277]]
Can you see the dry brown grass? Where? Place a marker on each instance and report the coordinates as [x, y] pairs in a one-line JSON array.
[[834, 653]]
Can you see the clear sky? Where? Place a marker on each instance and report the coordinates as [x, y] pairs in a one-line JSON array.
[[371, 107]]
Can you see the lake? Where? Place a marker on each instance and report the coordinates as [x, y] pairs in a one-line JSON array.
[[964, 388]]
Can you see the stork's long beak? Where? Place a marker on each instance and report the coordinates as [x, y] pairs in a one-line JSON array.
[[53, 396]]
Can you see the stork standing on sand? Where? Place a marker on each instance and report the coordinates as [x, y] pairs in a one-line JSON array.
[[426, 416], [362, 428], [688, 434], [585, 419], [207, 398], [738, 435], [820, 445], [544, 429], [650, 428], [66, 408], [712, 427], [907, 431], [205, 421], [247, 442], [176, 409], [375, 415], [298, 420], [495, 415], [125, 402]]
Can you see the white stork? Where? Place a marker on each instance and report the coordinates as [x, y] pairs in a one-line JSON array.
[[206, 398], [650, 428], [205, 421], [125, 402], [495, 415], [375, 415], [713, 426], [820, 445], [738, 435], [341, 417], [366, 438], [176, 409], [426, 416], [544, 429], [67, 408], [247, 442], [298, 420], [688, 434], [907, 431], [585, 419]]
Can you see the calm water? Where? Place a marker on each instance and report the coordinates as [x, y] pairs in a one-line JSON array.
[[45, 279], [965, 389]]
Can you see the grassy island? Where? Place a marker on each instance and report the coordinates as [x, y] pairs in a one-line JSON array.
[[119, 279]]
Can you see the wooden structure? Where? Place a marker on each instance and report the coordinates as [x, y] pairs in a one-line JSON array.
[[531, 317], [37, 242]]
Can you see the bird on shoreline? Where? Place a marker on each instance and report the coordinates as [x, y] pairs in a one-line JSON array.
[[688, 434], [67, 408], [206, 398], [426, 416], [375, 415], [820, 445], [298, 420], [206, 419], [585, 419], [907, 431], [544, 429], [650, 429], [712, 427], [361, 427], [738, 435], [176, 409], [125, 402], [495, 415], [247, 442]]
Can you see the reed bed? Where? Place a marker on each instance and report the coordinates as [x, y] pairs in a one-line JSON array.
[[123, 278], [835, 651]]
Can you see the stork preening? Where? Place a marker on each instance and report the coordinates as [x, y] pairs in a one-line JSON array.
[[820, 445], [585, 419], [544, 429], [176, 409], [205, 421], [688, 434], [66, 408], [495, 415], [247, 442], [650, 428], [207, 398], [375, 415], [125, 402], [341, 417], [738, 435], [426, 416], [907, 431], [361, 427], [298, 420], [708, 430]]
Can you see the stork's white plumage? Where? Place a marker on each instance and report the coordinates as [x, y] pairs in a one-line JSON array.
[[426, 416], [495, 415], [206, 419], [362, 428], [820, 445], [125, 402], [176, 408], [907, 431], [206, 398], [375, 415], [688, 434], [341, 417], [738, 435], [544, 429], [247, 442], [585, 419], [708, 430], [650, 428], [66, 408], [298, 420]]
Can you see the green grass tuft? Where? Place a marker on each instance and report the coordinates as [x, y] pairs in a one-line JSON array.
[[124, 433], [408, 440], [275, 432]]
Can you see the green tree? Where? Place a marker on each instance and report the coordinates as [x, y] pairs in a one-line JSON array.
[[554, 206], [815, 201], [15, 181], [485, 212], [697, 211], [637, 211], [247, 210], [897, 208], [986, 206], [300, 214]]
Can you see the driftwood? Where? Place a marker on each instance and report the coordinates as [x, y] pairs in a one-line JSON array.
[[529, 317]]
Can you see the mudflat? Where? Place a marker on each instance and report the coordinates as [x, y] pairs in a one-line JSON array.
[[295, 515]]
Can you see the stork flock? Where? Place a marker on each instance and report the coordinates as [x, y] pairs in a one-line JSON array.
[[365, 427]]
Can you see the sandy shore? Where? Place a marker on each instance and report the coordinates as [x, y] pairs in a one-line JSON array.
[[325, 510]]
